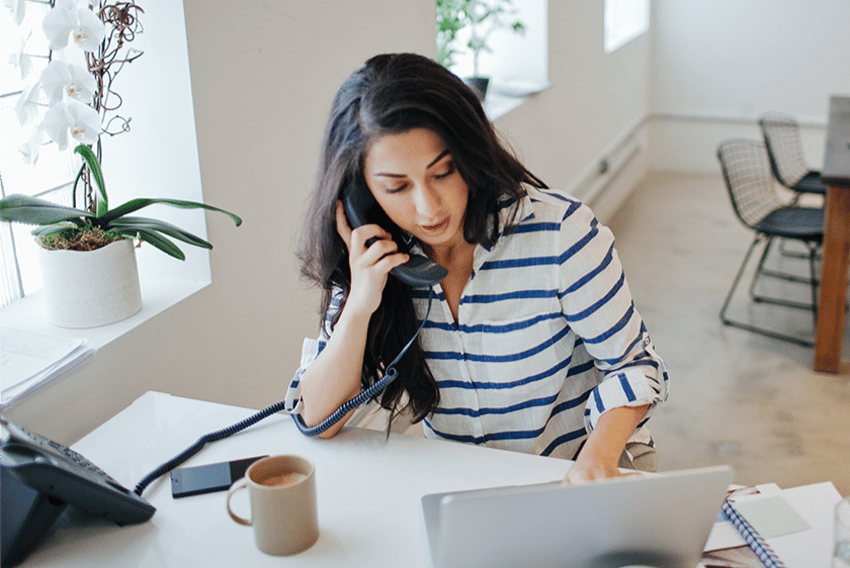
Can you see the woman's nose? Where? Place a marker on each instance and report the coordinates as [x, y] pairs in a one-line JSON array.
[[427, 201]]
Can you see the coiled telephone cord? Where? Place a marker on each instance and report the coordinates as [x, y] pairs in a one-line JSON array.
[[371, 392]]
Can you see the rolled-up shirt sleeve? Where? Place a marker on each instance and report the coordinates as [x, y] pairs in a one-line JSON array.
[[598, 305], [310, 350]]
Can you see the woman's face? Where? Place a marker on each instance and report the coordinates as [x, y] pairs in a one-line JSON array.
[[415, 181]]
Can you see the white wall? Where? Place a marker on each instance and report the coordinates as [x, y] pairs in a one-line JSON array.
[[732, 60], [263, 74], [595, 100]]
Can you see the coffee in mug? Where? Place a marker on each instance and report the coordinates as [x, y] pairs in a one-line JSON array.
[[284, 479], [282, 495]]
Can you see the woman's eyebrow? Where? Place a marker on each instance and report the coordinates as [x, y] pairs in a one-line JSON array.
[[442, 155]]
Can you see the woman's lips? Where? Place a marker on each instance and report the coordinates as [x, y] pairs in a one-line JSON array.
[[439, 226]]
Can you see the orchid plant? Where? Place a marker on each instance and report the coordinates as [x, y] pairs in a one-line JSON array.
[[64, 227], [72, 101]]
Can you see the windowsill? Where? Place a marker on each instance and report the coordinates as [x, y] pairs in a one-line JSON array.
[[28, 315], [501, 99], [158, 294]]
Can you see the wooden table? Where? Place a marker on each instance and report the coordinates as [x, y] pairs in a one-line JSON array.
[[836, 244]]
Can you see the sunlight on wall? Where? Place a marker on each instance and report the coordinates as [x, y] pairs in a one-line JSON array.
[[624, 21]]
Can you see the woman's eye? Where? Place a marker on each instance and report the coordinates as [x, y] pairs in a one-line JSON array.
[[396, 189], [450, 169]]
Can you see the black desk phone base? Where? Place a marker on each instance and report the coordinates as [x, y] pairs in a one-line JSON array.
[[40, 478]]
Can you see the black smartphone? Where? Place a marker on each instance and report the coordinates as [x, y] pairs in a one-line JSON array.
[[208, 478], [361, 208]]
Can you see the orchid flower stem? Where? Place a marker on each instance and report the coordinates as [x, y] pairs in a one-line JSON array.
[[76, 182]]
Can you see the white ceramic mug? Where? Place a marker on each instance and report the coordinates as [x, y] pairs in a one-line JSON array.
[[282, 494]]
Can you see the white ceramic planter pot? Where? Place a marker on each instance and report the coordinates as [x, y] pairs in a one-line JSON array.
[[90, 288]]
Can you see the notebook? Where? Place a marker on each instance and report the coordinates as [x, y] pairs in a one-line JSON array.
[[752, 537], [660, 520]]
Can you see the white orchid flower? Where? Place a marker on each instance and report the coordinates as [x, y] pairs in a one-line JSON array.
[[72, 19], [18, 10], [61, 80], [73, 118], [21, 60], [29, 150], [27, 107]]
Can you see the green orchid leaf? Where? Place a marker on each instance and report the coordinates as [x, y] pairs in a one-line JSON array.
[[136, 204], [34, 211], [48, 230], [97, 173], [154, 238], [160, 226]]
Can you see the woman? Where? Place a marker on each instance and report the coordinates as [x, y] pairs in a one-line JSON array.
[[532, 342]]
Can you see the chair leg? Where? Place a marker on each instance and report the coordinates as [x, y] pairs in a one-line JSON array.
[[792, 277], [813, 257], [792, 254], [761, 271], [723, 317], [749, 327]]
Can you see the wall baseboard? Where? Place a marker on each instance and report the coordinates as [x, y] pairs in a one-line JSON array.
[[687, 142], [674, 142], [616, 187]]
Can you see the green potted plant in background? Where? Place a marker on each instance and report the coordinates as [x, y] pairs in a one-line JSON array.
[[87, 253], [481, 18]]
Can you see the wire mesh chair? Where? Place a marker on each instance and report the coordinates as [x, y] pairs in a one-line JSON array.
[[782, 137], [747, 173]]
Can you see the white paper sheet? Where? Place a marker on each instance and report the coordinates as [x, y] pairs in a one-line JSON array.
[[29, 360]]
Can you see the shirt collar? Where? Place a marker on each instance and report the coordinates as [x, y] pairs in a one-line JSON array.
[[514, 210]]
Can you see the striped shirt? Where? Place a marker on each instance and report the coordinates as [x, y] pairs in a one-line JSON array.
[[547, 337]]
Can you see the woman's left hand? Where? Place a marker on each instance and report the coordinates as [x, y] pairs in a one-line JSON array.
[[587, 468], [601, 453]]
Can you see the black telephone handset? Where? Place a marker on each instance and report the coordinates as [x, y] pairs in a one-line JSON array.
[[40, 477], [360, 207]]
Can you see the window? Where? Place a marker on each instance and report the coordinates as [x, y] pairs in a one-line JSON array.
[[157, 97], [158, 157], [517, 64], [624, 21], [52, 178]]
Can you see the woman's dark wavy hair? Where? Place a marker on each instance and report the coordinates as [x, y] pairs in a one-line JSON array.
[[390, 94]]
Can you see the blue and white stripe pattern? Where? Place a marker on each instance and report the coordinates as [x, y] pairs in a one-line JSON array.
[[547, 337]]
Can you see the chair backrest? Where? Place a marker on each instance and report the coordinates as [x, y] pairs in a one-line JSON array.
[[782, 137], [746, 171]]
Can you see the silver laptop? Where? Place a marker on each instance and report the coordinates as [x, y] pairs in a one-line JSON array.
[[659, 520]]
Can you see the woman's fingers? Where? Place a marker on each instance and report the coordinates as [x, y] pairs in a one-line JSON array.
[[372, 241], [372, 255], [342, 226], [360, 238]]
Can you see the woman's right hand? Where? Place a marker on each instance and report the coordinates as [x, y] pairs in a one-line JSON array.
[[369, 265]]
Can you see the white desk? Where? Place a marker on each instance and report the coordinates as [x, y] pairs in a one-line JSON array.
[[368, 491]]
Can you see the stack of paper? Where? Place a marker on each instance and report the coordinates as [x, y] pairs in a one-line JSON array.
[[28, 360]]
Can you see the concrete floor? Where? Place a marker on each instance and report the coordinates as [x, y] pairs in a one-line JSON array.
[[736, 397]]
